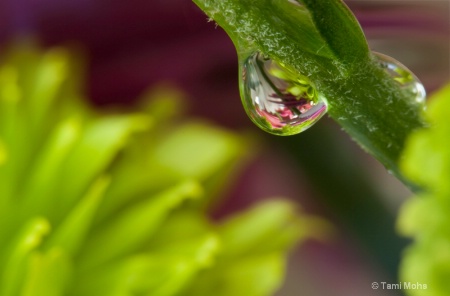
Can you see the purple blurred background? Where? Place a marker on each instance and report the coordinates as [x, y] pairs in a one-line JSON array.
[[134, 45]]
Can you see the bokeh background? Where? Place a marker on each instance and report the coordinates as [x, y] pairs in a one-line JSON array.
[[131, 46]]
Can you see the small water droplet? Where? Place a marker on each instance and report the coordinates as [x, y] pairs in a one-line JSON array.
[[278, 100], [403, 76]]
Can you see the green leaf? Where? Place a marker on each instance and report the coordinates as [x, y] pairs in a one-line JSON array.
[[253, 276], [339, 27], [101, 141], [136, 223], [426, 217], [189, 257], [252, 244], [271, 27], [48, 274], [12, 126], [71, 233], [194, 150], [426, 159], [323, 42], [44, 173], [245, 233], [18, 254], [162, 270], [3, 153], [213, 149], [49, 75]]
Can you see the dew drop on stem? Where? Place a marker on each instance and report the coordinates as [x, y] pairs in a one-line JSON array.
[[276, 99], [403, 76]]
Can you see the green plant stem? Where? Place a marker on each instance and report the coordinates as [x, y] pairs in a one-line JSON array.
[[323, 41]]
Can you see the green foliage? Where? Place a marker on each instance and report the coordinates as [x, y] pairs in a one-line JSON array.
[[321, 39], [340, 29], [112, 203], [426, 217]]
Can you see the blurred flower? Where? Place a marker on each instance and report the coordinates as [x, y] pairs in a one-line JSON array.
[[116, 203], [425, 217]]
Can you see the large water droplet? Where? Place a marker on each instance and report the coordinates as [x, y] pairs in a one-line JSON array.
[[278, 100], [403, 76]]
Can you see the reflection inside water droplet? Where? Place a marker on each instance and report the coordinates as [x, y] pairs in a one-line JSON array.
[[403, 76], [277, 100]]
